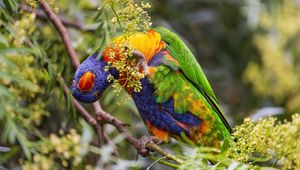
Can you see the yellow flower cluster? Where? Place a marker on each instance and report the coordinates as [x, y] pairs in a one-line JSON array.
[[52, 4], [128, 15], [122, 59], [39, 162], [23, 28], [68, 146], [268, 140], [129, 75], [65, 148], [32, 3]]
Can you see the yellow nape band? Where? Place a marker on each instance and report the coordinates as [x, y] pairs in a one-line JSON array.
[[148, 43]]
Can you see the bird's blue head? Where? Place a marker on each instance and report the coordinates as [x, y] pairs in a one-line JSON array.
[[90, 80]]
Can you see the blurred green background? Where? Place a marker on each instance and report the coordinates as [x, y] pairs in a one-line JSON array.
[[249, 50]]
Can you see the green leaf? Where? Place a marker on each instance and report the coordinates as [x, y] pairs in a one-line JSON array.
[[11, 6], [4, 92], [22, 82], [2, 112], [24, 144], [99, 44], [5, 15], [3, 41], [4, 157], [11, 132], [22, 50], [6, 61]]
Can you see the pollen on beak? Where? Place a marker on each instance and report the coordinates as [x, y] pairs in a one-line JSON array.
[[86, 82]]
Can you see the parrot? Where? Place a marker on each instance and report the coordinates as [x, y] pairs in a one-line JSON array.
[[175, 99]]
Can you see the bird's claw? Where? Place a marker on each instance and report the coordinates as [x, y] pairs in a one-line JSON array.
[[143, 64], [143, 141], [141, 61]]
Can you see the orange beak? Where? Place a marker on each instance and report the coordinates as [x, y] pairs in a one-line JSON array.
[[86, 82]]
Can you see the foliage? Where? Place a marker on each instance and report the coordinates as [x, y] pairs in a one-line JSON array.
[[26, 82], [276, 73], [210, 158], [21, 83], [42, 130]]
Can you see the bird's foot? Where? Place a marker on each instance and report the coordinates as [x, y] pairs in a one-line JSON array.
[[143, 141], [141, 61]]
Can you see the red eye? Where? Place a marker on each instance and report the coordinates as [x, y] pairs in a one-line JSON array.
[[86, 82]]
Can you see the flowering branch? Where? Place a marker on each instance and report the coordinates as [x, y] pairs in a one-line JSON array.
[[102, 117]]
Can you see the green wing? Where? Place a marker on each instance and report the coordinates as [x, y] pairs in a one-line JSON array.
[[191, 68]]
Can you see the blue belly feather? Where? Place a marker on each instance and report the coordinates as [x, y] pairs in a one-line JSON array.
[[162, 115]]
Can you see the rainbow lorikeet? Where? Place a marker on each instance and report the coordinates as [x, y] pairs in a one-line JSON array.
[[176, 99]]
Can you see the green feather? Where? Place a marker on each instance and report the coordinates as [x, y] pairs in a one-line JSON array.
[[191, 68], [188, 98], [186, 59]]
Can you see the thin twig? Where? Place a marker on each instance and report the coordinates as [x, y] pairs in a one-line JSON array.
[[163, 152], [100, 134], [165, 162], [155, 162]]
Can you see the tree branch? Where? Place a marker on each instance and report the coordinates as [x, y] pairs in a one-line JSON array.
[[75, 63], [104, 116], [101, 115], [61, 29], [41, 14]]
